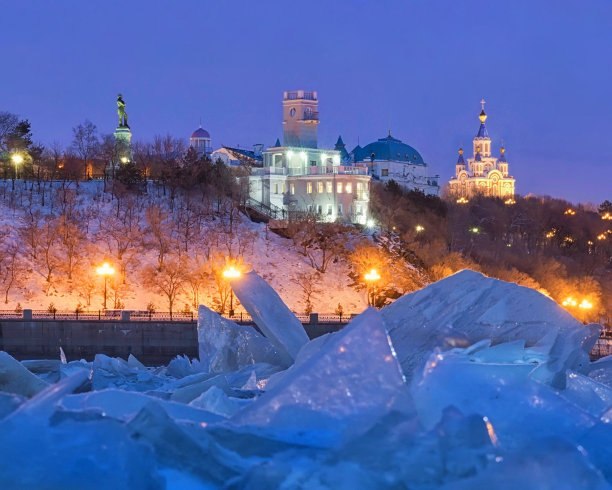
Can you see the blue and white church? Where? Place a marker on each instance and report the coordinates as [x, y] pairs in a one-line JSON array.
[[390, 158]]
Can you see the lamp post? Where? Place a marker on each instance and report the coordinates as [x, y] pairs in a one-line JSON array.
[[231, 273], [371, 277], [105, 270], [17, 159]]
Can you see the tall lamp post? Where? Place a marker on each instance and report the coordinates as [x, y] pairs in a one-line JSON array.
[[17, 159], [105, 270], [231, 273], [371, 277]]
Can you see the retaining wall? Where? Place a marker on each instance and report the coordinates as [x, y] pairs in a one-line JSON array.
[[153, 343]]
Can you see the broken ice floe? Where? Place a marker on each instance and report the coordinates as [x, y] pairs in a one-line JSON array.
[[469, 383]]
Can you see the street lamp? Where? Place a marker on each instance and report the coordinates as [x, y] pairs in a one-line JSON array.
[[105, 270], [17, 159], [371, 277], [231, 273]]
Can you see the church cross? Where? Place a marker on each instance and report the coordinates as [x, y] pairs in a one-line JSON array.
[[483, 102]]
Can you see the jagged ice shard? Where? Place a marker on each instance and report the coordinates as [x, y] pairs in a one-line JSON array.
[[271, 315], [468, 307], [225, 346], [350, 381]]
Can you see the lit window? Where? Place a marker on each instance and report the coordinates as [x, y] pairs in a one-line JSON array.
[[384, 172], [339, 187], [349, 188], [275, 188], [329, 187], [309, 187], [359, 186], [359, 210], [320, 187], [283, 187], [329, 209], [292, 189]]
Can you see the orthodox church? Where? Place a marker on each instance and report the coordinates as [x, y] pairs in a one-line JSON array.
[[483, 174]]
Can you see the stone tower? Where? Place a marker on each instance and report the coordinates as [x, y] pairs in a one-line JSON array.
[[300, 119]]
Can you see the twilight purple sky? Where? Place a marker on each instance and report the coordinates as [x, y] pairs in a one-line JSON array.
[[418, 66]]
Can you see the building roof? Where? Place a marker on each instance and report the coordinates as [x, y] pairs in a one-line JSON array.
[[482, 131], [277, 144], [247, 154], [460, 160], [200, 133], [388, 148]]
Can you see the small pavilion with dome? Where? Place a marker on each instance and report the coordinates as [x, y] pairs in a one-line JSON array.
[[200, 142]]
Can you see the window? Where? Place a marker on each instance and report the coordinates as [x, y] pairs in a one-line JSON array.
[[328, 185], [339, 209], [320, 209], [329, 209], [313, 163], [384, 172], [359, 186], [275, 188], [339, 187], [320, 187], [292, 189], [359, 209], [309, 187], [283, 187], [349, 188]]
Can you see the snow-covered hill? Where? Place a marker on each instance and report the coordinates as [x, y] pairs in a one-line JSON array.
[[59, 228]]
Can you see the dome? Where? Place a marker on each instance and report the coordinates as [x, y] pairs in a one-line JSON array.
[[200, 134], [389, 148]]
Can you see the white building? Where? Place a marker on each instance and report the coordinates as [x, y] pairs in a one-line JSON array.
[[483, 173], [391, 159], [298, 177], [234, 157]]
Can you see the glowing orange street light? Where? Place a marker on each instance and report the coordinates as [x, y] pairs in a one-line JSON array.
[[587, 305], [17, 160], [510, 202], [462, 200], [105, 270], [569, 301], [371, 277], [607, 216], [231, 273], [570, 212], [419, 228]]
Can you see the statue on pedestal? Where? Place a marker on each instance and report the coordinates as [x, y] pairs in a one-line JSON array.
[[123, 121]]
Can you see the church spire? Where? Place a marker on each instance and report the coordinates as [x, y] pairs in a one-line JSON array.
[[460, 160], [482, 131]]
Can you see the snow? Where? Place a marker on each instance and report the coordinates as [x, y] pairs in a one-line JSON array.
[[271, 315], [275, 258], [469, 383]]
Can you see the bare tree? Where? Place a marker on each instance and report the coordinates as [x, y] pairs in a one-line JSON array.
[[167, 280], [85, 143], [308, 282]]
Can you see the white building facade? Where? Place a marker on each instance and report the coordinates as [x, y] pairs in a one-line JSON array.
[[391, 159], [298, 177]]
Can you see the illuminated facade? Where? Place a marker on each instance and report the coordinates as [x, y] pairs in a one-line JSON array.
[[483, 174], [298, 177], [391, 159]]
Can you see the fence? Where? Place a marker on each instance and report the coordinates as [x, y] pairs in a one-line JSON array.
[[140, 316]]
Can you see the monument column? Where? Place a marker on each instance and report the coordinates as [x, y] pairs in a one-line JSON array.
[[123, 136]]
